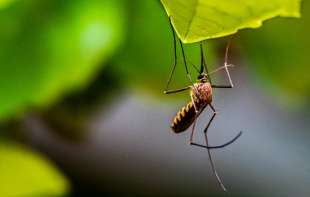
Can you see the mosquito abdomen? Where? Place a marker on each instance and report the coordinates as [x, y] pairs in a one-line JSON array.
[[185, 117]]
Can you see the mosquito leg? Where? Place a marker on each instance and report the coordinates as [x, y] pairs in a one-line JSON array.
[[231, 85], [193, 101], [192, 134], [219, 69], [209, 151], [204, 65], [175, 56], [176, 90], [195, 119], [193, 131], [213, 166], [219, 146], [226, 65], [186, 68], [222, 86], [213, 109], [167, 91]]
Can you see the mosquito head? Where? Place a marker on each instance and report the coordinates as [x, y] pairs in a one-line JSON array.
[[202, 77]]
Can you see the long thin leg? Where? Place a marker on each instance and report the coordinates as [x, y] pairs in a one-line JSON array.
[[175, 56], [167, 91], [209, 123], [176, 90], [231, 85], [209, 151], [219, 69], [222, 86], [191, 140], [185, 64], [193, 131], [226, 65], [219, 146], [195, 107]]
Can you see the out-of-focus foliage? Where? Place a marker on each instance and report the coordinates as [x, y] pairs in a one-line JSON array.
[[4, 3], [196, 20], [24, 173], [49, 47], [279, 54]]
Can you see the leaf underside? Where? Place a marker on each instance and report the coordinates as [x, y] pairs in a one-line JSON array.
[[197, 20]]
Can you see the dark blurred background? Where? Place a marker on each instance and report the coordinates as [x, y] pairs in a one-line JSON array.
[[81, 87]]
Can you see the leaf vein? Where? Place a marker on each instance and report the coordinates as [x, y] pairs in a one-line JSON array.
[[191, 18]]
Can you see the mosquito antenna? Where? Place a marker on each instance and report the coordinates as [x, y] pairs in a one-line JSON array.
[[175, 54]]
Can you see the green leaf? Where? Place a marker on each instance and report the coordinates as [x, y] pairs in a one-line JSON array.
[[51, 47], [196, 20], [25, 173]]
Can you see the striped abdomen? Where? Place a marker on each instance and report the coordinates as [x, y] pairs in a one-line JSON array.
[[186, 116]]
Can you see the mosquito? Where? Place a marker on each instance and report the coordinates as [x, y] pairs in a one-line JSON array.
[[201, 98]]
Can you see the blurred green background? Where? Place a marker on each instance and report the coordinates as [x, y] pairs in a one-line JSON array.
[[83, 111]]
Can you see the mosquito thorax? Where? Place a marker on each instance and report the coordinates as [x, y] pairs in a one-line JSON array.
[[202, 92]]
